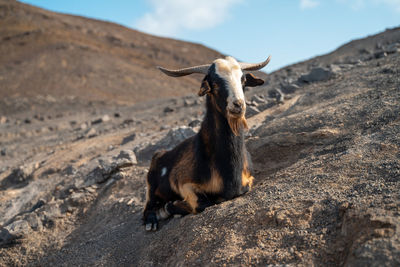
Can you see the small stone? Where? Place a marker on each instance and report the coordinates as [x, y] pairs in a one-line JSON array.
[[168, 110], [194, 123], [164, 127], [21, 174], [69, 170], [105, 118], [380, 54], [277, 95], [19, 227], [38, 205], [83, 126], [3, 119], [91, 133], [188, 102], [7, 239], [76, 199], [34, 222], [127, 154], [128, 121]]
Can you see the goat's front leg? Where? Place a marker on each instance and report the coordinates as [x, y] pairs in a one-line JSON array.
[[189, 203], [193, 202]]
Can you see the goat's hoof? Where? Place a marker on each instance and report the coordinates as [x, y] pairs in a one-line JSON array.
[[151, 222]]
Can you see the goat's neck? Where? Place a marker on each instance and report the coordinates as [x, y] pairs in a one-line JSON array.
[[218, 135]]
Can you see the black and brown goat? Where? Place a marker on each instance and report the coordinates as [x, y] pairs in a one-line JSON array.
[[213, 165]]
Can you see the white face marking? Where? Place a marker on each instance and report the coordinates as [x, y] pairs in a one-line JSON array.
[[229, 70], [163, 171]]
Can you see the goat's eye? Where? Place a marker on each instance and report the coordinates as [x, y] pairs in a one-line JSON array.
[[215, 85]]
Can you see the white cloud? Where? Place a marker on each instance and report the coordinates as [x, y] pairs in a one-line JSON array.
[[170, 17], [308, 4]]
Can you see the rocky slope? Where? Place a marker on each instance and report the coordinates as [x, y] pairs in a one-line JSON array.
[[324, 138]]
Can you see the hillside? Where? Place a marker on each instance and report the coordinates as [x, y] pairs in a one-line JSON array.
[[324, 138], [46, 56]]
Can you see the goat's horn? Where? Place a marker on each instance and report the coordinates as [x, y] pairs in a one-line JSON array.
[[186, 71], [254, 66]]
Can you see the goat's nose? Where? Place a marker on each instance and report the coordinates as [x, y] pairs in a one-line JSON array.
[[238, 104]]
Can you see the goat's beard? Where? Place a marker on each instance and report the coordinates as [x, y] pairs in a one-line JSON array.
[[237, 123]]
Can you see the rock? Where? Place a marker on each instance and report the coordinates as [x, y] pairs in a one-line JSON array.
[[316, 75], [168, 110], [335, 68], [393, 48], [7, 239], [3, 152], [34, 222], [258, 99], [38, 205], [51, 211], [76, 199], [277, 95], [380, 54], [194, 123], [91, 133], [126, 155], [251, 111], [128, 139], [21, 174], [188, 102], [69, 170], [117, 115], [19, 227], [173, 137], [83, 126], [27, 121], [289, 88], [164, 127], [105, 118], [127, 121], [3, 119], [107, 167]]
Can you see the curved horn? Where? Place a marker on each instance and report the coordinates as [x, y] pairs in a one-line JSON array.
[[186, 71], [254, 66]]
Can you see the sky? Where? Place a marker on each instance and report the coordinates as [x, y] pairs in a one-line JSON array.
[[288, 30]]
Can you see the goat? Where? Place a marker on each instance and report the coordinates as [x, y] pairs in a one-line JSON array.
[[213, 165]]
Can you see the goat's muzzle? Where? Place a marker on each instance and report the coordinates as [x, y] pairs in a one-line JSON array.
[[237, 108]]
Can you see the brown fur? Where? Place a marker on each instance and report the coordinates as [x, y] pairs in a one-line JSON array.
[[236, 124]]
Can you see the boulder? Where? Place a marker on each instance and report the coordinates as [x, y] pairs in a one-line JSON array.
[[316, 75], [169, 141]]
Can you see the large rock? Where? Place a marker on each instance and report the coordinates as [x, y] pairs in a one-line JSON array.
[[316, 75], [173, 137], [20, 176]]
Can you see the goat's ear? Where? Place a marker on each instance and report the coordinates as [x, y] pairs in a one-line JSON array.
[[205, 87], [252, 80]]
